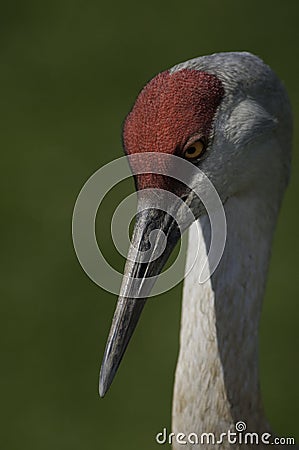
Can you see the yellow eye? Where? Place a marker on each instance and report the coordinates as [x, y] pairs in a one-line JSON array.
[[194, 151]]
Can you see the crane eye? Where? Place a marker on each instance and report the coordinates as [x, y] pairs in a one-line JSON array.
[[194, 151]]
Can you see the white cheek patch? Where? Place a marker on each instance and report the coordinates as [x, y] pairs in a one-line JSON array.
[[247, 122]]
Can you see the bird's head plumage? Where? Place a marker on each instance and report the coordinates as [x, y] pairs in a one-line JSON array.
[[229, 115]]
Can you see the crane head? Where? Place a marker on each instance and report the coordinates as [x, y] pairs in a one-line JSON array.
[[215, 112]]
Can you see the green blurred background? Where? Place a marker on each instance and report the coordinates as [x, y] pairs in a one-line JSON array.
[[69, 72]]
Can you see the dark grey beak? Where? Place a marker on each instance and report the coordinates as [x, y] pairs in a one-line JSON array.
[[154, 249]]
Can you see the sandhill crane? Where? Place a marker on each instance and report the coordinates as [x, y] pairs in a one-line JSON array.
[[228, 114]]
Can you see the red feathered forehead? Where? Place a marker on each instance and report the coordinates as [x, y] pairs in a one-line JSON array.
[[170, 109]]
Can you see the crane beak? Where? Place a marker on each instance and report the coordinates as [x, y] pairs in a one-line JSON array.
[[148, 253]]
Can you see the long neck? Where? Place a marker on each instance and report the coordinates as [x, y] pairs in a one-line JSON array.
[[217, 379]]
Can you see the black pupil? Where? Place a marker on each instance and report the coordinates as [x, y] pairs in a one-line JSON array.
[[191, 150]]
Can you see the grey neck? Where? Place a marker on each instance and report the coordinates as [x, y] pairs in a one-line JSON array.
[[217, 376]]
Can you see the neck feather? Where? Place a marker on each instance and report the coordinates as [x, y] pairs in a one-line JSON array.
[[217, 379]]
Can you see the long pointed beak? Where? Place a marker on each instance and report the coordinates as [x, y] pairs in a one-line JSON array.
[[147, 255]]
